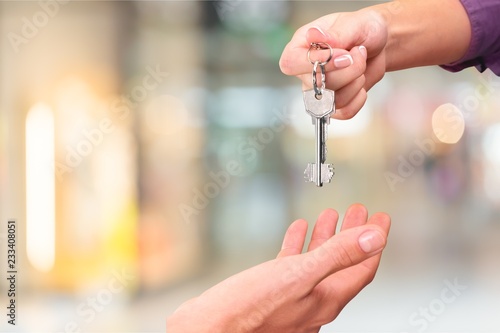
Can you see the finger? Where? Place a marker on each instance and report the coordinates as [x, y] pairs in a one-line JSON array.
[[375, 70], [344, 96], [346, 284], [344, 250], [317, 34], [324, 228], [337, 79], [294, 239], [382, 220], [352, 109], [326, 30], [294, 61], [365, 271], [356, 215]]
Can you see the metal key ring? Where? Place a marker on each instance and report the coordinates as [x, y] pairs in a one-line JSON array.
[[318, 91], [319, 46]]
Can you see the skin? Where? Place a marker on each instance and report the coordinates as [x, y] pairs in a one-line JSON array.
[[397, 35], [296, 292]]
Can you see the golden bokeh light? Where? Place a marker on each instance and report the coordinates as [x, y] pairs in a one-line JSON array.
[[448, 123]]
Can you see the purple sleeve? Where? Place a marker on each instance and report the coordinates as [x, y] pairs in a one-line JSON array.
[[484, 49]]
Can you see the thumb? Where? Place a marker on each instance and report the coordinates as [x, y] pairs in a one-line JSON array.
[[346, 249], [317, 34]]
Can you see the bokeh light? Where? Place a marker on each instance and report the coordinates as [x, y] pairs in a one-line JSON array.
[[40, 187], [448, 123]]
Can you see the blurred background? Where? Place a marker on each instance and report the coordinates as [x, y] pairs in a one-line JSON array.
[[150, 149]]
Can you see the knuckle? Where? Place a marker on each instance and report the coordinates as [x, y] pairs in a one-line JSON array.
[[345, 113], [376, 74], [285, 65], [350, 110], [369, 278], [380, 73], [362, 80], [293, 275], [382, 216], [327, 310], [364, 96], [359, 67]]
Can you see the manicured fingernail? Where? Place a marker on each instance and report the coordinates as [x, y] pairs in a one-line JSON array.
[[343, 61], [363, 51], [371, 241], [319, 29]]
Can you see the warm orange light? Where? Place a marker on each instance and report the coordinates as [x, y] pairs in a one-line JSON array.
[[40, 187], [448, 123]]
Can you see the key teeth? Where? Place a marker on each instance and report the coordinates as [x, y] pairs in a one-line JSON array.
[[309, 173], [327, 173]]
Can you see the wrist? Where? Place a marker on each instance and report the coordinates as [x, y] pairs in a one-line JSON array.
[[384, 15], [424, 32]]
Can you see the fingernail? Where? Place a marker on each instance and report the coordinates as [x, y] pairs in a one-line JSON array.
[[343, 61], [363, 51], [319, 29], [371, 241]]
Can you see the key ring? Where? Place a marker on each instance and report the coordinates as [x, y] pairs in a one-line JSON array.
[[318, 91], [319, 46]]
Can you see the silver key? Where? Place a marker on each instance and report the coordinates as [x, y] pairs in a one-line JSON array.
[[320, 110]]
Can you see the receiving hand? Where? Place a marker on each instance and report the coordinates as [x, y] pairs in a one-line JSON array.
[[295, 292]]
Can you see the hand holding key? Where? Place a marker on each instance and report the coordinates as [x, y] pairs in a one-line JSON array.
[[320, 104], [345, 72]]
